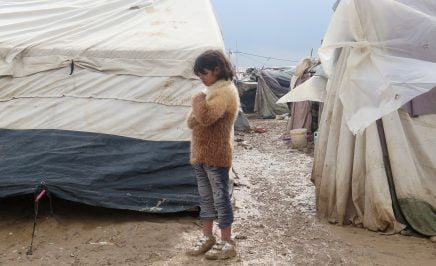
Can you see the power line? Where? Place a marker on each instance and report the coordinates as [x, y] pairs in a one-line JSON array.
[[266, 57], [254, 60]]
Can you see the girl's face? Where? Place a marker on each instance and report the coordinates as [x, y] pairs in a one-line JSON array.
[[209, 77]]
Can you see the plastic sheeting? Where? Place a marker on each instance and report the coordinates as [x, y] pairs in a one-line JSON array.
[[137, 37], [349, 172], [83, 83], [411, 144], [392, 55], [269, 90], [144, 121], [283, 76], [98, 169], [314, 89], [152, 108]]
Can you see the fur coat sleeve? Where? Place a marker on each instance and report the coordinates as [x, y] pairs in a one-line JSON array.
[[191, 121], [208, 111]]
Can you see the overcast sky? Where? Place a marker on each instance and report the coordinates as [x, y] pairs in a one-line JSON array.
[[286, 29]]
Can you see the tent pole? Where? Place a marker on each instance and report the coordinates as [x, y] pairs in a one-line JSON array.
[[37, 198], [40, 191]]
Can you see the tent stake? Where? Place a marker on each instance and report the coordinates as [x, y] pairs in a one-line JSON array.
[[39, 193]]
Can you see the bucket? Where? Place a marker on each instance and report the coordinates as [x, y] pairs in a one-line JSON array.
[[299, 138]]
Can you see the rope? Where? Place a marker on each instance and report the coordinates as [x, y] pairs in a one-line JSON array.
[[254, 60]]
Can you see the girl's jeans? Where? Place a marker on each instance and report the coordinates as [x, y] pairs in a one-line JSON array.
[[213, 187]]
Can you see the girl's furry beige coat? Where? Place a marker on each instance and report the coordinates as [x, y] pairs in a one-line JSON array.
[[211, 119]]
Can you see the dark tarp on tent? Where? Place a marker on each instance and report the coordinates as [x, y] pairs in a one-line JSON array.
[[271, 86], [247, 99], [247, 92], [283, 77], [98, 169]]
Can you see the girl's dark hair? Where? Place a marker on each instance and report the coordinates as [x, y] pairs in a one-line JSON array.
[[212, 59]]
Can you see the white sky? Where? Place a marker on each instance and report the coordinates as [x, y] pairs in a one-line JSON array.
[[286, 29]]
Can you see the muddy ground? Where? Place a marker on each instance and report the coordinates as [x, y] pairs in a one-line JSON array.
[[275, 224]]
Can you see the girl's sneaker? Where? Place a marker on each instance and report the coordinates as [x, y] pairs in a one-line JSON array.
[[222, 250], [201, 246]]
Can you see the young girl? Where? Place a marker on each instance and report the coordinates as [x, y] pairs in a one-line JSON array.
[[211, 120]]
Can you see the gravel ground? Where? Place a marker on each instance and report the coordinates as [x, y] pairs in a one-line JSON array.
[[275, 223]]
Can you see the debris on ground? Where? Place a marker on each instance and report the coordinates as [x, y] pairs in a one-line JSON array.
[[259, 130]]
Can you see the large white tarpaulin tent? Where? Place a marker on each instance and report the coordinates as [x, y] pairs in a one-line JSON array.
[[379, 54], [93, 99]]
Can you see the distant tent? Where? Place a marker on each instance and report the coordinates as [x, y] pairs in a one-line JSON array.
[[382, 177], [272, 85], [93, 99], [247, 94], [307, 89], [242, 124]]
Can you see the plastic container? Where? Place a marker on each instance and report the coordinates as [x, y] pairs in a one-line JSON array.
[[299, 138]]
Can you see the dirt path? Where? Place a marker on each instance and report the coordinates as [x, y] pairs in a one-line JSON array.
[[275, 223], [285, 229]]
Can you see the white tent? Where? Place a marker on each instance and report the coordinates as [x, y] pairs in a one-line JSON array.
[[392, 56], [114, 78], [378, 54]]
